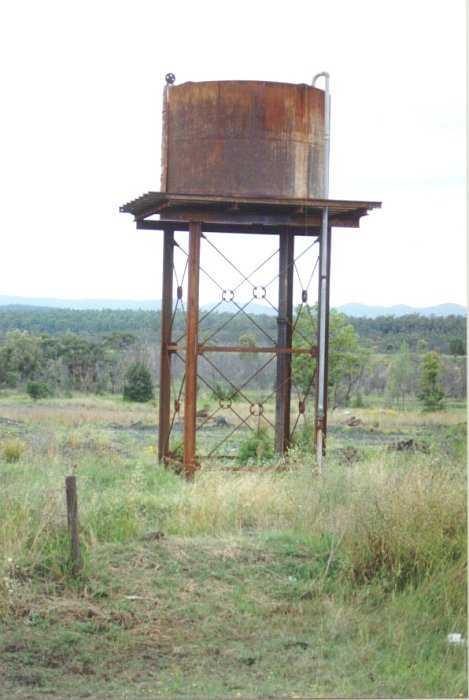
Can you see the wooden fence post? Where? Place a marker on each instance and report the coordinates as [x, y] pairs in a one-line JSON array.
[[72, 518]]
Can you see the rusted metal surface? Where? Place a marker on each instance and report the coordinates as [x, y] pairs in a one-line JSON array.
[[284, 342], [249, 214], [286, 218], [190, 407], [243, 138], [243, 349], [165, 357], [164, 141], [241, 157]]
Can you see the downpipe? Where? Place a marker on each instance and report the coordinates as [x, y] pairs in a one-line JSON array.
[[323, 283]]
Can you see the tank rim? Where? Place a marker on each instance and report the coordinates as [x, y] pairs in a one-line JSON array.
[[239, 82]]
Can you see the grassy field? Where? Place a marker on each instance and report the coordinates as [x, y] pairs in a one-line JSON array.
[[273, 584]]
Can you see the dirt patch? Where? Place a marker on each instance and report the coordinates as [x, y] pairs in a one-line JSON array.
[[10, 421], [409, 445], [363, 435]]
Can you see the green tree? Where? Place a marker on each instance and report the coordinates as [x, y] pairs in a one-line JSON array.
[[138, 385], [347, 360], [83, 360], [37, 390], [118, 348], [248, 340], [457, 346], [20, 357], [431, 390], [401, 372]]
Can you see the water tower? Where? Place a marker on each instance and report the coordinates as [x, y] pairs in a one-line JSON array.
[[245, 162]]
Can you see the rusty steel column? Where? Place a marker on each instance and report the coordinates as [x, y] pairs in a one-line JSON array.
[[284, 340], [165, 357], [323, 346], [190, 405]]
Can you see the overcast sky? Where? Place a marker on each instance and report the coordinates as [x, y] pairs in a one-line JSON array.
[[82, 85]]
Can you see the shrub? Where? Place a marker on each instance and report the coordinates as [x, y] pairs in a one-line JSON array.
[[37, 390], [431, 391], [455, 441], [138, 385], [225, 391], [12, 450], [457, 346], [9, 379], [257, 448]]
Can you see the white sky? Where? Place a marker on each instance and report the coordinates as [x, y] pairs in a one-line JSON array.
[[81, 94]]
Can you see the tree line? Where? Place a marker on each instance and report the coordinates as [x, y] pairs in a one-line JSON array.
[[64, 350], [444, 334], [384, 334]]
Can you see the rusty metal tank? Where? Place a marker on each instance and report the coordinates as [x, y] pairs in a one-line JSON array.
[[243, 138]]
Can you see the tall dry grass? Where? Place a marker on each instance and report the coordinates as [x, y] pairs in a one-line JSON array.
[[390, 420], [87, 410], [392, 517]]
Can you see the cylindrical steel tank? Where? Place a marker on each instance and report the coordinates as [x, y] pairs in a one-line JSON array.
[[243, 138]]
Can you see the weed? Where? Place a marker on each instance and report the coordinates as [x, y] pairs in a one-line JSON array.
[[244, 584], [404, 524], [225, 391], [12, 450], [258, 448], [455, 439]]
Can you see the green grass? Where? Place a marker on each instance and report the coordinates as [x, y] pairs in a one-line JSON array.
[[228, 616], [273, 584]]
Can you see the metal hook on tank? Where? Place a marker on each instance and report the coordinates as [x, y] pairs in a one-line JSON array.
[[324, 74]]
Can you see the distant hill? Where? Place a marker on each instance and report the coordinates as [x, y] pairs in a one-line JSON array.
[[251, 308], [364, 311], [354, 310], [81, 304]]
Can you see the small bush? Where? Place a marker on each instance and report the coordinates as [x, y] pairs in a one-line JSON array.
[[225, 391], [10, 380], [37, 390], [358, 401], [138, 385], [257, 448], [456, 440], [12, 450], [303, 438]]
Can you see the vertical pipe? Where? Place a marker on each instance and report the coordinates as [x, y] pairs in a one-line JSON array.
[[328, 315], [323, 346], [190, 406], [165, 357], [284, 340], [327, 131], [323, 310]]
